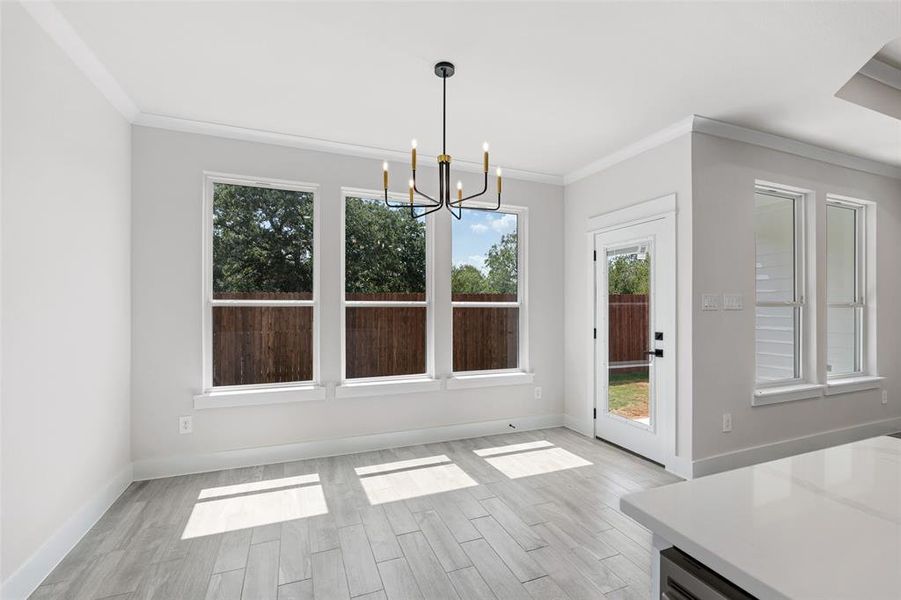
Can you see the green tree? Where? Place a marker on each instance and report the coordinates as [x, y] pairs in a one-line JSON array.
[[467, 279], [262, 239], [501, 264], [629, 274], [384, 249]]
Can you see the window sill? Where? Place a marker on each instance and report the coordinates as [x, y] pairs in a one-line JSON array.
[[258, 396], [787, 393], [381, 388], [463, 382], [846, 385]]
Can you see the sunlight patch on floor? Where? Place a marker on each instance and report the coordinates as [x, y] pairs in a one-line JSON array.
[[514, 448], [257, 486], [415, 482], [402, 464], [536, 462], [253, 509]]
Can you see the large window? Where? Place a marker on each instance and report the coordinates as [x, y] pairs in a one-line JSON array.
[[385, 291], [845, 271], [486, 290], [780, 284], [260, 283]]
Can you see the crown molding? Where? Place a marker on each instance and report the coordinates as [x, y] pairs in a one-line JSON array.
[[791, 146], [882, 72], [699, 124], [308, 143], [667, 134], [48, 18]]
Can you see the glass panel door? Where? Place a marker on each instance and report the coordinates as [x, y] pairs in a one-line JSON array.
[[634, 337], [629, 337]]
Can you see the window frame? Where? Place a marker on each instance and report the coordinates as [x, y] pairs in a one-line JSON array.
[[799, 304], [860, 282], [428, 303], [210, 179], [522, 237]]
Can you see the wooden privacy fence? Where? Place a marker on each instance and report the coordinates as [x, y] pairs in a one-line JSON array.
[[628, 334], [274, 344]]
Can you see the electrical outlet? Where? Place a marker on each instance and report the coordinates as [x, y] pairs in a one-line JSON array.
[[727, 422], [185, 424], [885, 396], [538, 392]]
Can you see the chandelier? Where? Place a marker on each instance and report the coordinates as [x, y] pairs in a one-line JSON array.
[[444, 70]]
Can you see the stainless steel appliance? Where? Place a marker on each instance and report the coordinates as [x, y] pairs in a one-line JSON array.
[[684, 578]]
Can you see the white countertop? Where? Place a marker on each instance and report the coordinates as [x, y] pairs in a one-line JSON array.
[[822, 525]]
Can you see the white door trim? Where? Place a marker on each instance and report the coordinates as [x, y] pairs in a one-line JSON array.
[[663, 208]]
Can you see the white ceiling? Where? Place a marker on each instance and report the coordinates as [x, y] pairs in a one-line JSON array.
[[553, 86]]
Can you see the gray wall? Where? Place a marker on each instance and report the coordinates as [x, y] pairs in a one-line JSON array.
[[167, 308], [724, 172], [658, 172], [65, 285]]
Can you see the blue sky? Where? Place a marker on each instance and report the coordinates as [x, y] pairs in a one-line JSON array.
[[476, 232]]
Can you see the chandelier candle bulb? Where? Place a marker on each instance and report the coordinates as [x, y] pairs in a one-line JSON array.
[[498, 180], [460, 190], [414, 154], [385, 173], [485, 157]]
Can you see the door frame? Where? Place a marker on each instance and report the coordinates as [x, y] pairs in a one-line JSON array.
[[662, 208]]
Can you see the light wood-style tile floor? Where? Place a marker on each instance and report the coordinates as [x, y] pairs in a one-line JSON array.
[[518, 516]]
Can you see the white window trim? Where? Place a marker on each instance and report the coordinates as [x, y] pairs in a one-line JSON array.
[[789, 387], [470, 379], [848, 385], [862, 298], [482, 379], [248, 395], [380, 386], [370, 386], [786, 393]]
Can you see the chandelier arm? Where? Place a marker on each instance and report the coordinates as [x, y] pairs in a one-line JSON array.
[[388, 202], [462, 200], [416, 189], [486, 209], [430, 211]]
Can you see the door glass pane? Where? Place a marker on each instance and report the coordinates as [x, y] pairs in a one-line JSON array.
[[842, 348], [776, 330], [629, 333]]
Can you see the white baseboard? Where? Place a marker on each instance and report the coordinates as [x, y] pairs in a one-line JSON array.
[[808, 443], [578, 426], [679, 466], [29, 576], [169, 466]]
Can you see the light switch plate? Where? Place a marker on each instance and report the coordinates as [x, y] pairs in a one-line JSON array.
[[710, 301], [733, 302]]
